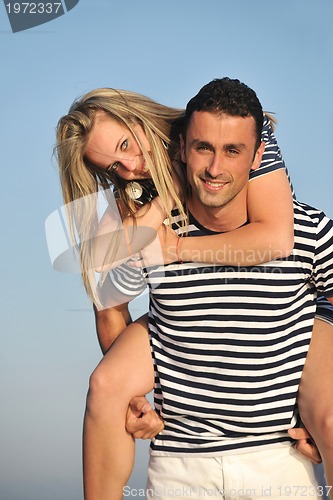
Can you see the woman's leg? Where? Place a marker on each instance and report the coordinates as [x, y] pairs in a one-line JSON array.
[[108, 450], [315, 398]]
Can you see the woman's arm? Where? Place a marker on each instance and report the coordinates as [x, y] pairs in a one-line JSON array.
[[270, 232], [268, 236], [115, 243], [110, 323], [119, 287]]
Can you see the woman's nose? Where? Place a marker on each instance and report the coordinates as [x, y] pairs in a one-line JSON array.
[[129, 164]]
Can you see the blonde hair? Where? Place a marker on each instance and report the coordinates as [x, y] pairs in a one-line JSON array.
[[80, 179]]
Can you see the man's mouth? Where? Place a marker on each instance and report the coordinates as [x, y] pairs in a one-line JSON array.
[[214, 184]]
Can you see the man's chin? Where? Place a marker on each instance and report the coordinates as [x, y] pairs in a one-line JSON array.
[[212, 201]]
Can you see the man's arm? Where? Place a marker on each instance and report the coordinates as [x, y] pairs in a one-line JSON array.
[[304, 443], [142, 421]]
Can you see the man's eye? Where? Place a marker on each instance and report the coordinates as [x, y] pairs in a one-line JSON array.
[[233, 151], [124, 145]]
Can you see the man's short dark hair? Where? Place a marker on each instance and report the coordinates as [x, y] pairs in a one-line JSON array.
[[229, 96]]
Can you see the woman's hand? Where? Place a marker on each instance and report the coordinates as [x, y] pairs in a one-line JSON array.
[[163, 250]]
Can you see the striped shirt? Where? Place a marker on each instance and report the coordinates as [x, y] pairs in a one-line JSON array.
[[229, 343], [272, 158]]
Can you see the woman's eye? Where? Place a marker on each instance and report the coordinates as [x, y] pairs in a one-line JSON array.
[[124, 145], [113, 167]]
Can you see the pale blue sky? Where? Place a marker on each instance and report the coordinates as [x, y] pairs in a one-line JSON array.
[[167, 50]]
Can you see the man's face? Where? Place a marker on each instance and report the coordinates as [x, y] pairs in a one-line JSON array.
[[219, 153]]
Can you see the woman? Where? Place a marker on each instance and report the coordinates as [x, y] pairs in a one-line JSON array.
[[115, 137]]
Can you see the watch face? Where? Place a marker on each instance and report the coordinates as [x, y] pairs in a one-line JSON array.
[[134, 190], [141, 191]]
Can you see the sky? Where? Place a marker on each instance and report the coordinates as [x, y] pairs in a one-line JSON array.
[[167, 50]]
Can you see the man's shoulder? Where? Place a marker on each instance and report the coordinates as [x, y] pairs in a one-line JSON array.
[[315, 215], [312, 227]]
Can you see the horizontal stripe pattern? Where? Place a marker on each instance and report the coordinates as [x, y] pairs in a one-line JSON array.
[[272, 158], [229, 343]]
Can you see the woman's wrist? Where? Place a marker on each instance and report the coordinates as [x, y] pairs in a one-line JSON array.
[[157, 202], [178, 249]]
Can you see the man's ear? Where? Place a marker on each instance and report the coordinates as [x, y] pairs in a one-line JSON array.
[[182, 148], [258, 156]]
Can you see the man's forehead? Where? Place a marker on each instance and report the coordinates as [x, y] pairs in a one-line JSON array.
[[203, 115], [211, 123]]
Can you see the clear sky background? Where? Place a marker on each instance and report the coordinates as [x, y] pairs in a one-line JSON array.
[[167, 50]]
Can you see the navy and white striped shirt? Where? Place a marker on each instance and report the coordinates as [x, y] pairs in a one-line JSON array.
[[229, 343]]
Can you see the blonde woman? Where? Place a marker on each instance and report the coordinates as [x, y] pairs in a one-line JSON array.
[[112, 138]]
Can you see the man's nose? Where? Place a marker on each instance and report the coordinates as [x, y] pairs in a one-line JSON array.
[[216, 165]]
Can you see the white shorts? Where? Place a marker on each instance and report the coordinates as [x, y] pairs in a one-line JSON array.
[[275, 473]]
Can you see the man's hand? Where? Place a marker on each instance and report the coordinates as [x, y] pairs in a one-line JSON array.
[[141, 420], [305, 444]]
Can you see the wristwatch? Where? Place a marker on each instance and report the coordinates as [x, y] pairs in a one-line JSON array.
[[141, 191]]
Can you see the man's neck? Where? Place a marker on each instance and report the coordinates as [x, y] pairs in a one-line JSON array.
[[221, 219]]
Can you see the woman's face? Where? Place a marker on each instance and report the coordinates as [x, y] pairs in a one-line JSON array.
[[112, 146]]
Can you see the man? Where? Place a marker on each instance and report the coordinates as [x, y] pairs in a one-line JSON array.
[[229, 344]]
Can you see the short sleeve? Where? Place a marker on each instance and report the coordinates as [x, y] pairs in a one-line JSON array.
[[121, 285], [324, 310], [323, 262], [272, 158]]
